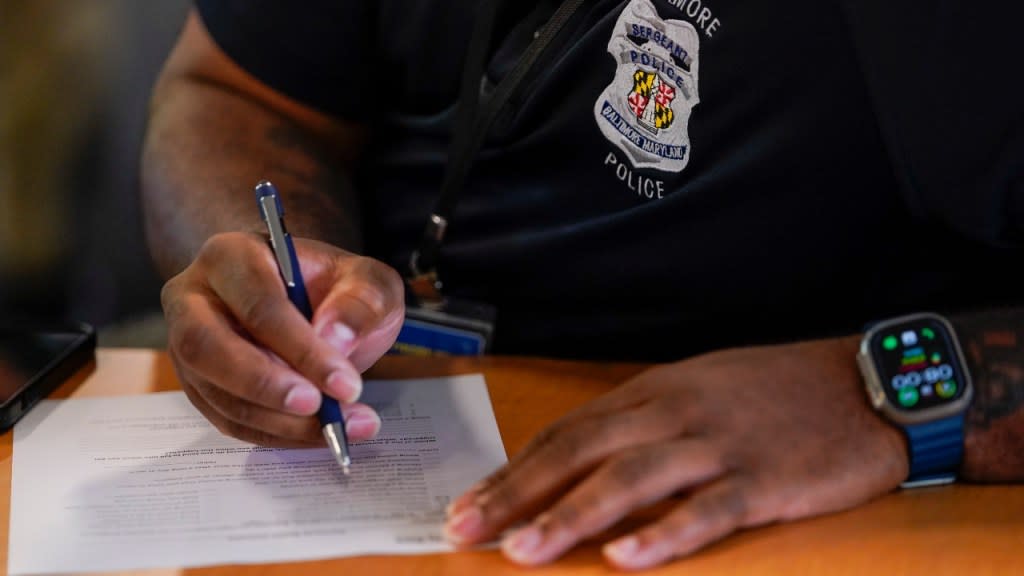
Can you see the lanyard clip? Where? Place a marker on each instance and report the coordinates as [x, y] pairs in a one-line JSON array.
[[424, 282]]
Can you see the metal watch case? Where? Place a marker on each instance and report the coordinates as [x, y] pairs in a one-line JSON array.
[[873, 381]]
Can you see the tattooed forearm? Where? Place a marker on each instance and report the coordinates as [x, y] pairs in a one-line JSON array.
[[993, 343], [206, 148]]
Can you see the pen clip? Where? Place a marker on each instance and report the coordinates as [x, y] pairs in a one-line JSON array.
[[273, 212]]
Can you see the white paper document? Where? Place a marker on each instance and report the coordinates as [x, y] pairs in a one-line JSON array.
[[135, 482]]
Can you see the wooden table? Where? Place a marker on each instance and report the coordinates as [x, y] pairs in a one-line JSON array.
[[952, 530]]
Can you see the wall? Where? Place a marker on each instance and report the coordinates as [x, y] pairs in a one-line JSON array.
[[75, 77]]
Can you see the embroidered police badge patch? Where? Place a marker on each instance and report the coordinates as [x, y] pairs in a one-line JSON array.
[[645, 111]]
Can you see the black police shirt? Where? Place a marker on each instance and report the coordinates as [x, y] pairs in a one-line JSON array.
[[680, 175]]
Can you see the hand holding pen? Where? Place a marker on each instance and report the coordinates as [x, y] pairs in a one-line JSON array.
[[252, 363]]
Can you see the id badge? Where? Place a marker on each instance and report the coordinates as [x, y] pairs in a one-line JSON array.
[[458, 328]]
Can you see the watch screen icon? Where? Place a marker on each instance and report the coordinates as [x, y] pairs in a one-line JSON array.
[[908, 396], [946, 389], [909, 337], [890, 343]]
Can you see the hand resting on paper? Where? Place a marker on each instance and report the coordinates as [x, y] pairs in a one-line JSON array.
[[744, 437]]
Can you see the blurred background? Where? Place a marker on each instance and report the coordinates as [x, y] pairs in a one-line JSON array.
[[75, 78]]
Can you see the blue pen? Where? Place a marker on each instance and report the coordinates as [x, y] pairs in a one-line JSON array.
[[272, 212]]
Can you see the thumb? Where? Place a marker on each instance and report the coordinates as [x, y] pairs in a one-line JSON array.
[[362, 313]]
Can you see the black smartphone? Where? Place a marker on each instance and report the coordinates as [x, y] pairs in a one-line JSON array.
[[35, 360]]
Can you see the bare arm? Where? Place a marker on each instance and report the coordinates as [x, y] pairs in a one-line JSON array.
[[214, 132], [246, 357]]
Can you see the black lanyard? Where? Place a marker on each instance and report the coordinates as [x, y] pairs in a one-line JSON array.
[[472, 120]]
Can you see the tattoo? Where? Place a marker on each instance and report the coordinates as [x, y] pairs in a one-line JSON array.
[[314, 169], [320, 188], [993, 344]]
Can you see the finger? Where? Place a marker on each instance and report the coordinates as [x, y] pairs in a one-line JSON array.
[[499, 476], [361, 421], [621, 400], [622, 484], [253, 423], [362, 313], [559, 456], [274, 424], [708, 515], [235, 430], [203, 340], [246, 279], [213, 416], [233, 416], [563, 436]]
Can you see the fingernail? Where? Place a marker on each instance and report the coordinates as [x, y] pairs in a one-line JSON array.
[[302, 399], [622, 551], [459, 503], [521, 544], [464, 525], [479, 486], [339, 336], [451, 508], [362, 424], [345, 385], [482, 499]]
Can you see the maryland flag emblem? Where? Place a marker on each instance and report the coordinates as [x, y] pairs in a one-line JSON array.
[[648, 85]]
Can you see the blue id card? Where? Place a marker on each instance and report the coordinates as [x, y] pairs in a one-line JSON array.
[[429, 332], [423, 339]]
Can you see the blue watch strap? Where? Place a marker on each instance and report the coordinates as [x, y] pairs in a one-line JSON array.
[[936, 449]]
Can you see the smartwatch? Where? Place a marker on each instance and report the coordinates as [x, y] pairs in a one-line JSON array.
[[916, 376]]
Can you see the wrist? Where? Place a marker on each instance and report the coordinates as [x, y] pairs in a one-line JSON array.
[[892, 440]]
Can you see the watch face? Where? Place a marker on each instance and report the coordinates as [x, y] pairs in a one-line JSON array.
[[918, 364]]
